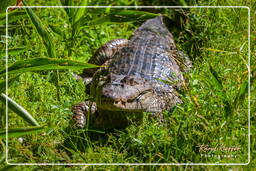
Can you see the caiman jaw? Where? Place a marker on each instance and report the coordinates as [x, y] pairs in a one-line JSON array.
[[127, 95], [138, 104]]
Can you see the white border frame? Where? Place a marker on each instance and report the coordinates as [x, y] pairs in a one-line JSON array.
[[134, 7]]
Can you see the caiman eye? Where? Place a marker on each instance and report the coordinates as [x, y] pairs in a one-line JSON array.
[[129, 80]]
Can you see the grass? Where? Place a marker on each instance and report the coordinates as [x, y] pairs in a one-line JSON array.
[[213, 113]]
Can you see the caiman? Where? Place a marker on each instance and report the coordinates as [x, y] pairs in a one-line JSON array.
[[140, 75]]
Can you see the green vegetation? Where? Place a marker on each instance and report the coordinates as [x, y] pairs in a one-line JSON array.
[[47, 46]]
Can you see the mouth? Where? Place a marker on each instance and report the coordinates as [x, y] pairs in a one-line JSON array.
[[135, 104]]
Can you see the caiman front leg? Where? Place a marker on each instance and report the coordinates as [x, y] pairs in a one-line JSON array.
[[83, 112]]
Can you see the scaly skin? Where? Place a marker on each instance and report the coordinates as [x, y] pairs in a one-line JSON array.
[[136, 79]]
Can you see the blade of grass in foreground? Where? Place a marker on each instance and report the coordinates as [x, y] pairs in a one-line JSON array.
[[39, 64], [15, 107], [17, 132]]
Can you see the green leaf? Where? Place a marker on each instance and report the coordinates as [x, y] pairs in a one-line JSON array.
[[120, 17], [18, 132], [45, 35], [18, 109], [39, 64]]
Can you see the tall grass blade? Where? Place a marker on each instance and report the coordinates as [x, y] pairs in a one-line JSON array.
[[18, 109], [45, 35], [48, 42], [17, 132], [39, 64]]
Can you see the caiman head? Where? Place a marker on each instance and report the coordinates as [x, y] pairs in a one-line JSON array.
[[123, 93]]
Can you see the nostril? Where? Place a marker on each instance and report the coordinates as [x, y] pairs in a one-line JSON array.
[[131, 81], [119, 103]]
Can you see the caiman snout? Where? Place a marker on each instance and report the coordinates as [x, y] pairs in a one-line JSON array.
[[119, 93], [125, 89]]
